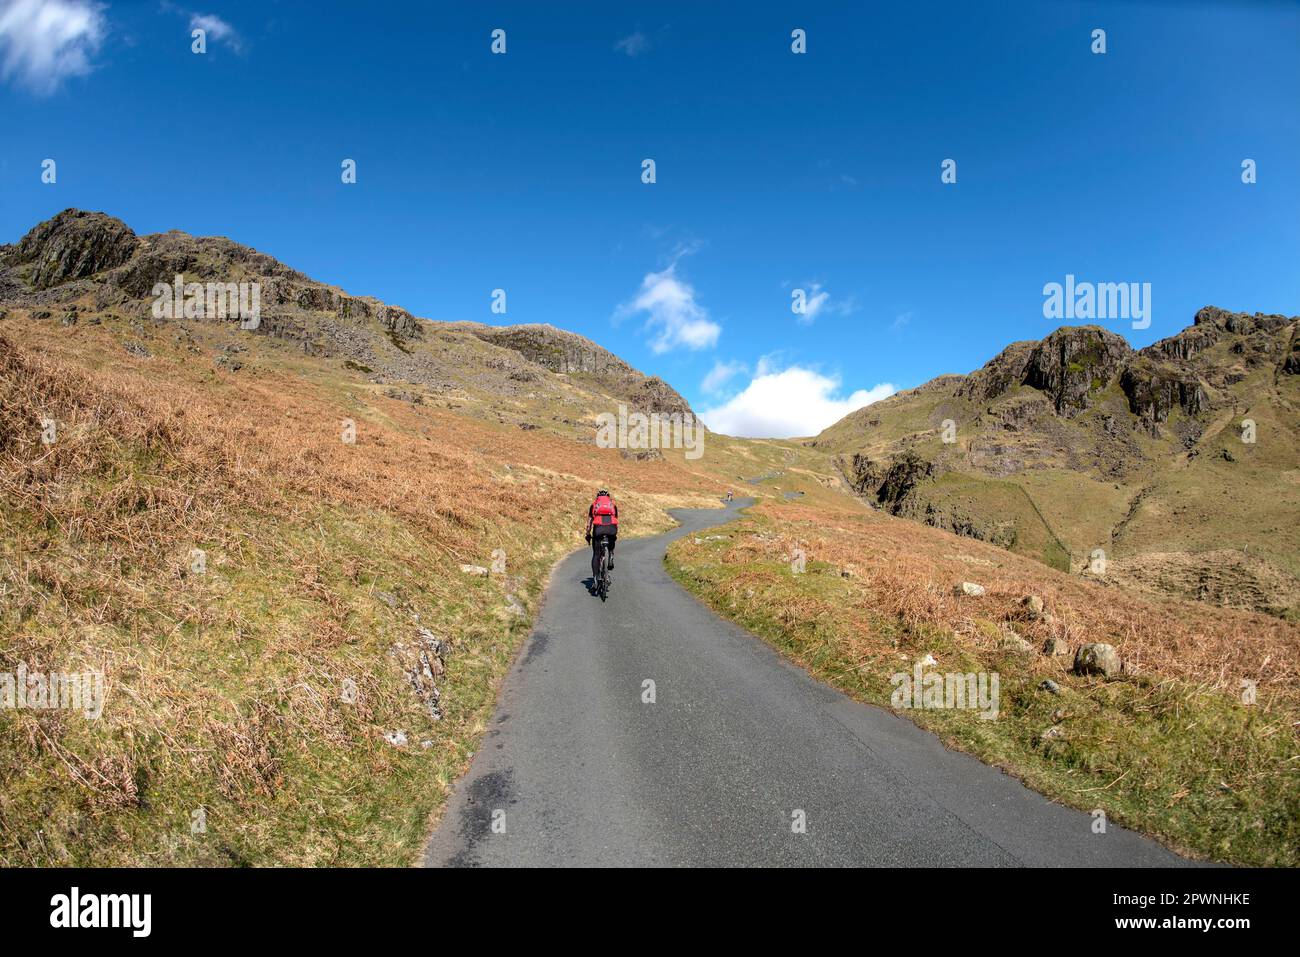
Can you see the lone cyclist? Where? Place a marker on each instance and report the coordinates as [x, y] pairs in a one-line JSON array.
[[602, 522]]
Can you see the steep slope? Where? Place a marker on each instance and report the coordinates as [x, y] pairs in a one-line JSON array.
[[81, 263], [1173, 468]]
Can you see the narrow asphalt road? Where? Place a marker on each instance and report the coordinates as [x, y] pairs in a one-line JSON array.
[[577, 770]]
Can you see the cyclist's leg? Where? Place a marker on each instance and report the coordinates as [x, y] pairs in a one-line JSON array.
[[613, 540], [595, 557]]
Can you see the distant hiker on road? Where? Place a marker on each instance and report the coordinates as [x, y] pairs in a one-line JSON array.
[[602, 522]]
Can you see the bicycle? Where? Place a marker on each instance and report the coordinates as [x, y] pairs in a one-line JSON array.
[[603, 580]]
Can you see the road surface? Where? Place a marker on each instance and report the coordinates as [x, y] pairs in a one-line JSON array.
[[738, 746]]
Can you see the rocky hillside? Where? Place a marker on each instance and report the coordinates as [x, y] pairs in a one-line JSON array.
[[88, 265], [1173, 468], [568, 354]]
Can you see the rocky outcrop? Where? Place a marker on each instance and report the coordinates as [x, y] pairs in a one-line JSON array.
[[1018, 413], [887, 485], [1252, 337], [862, 474], [73, 245], [1154, 390], [904, 474], [896, 489], [553, 348], [1071, 365], [653, 394], [1239, 323], [567, 353], [1075, 362], [152, 266], [999, 375], [1188, 343], [1291, 364]]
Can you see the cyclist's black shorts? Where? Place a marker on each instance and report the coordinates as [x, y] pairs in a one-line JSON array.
[[598, 532]]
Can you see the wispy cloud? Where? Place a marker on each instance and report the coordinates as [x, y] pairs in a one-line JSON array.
[[634, 44], [721, 373], [785, 403], [818, 301], [216, 29], [900, 321], [671, 311], [43, 42]]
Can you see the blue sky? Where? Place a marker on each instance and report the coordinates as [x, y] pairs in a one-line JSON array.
[[775, 171]]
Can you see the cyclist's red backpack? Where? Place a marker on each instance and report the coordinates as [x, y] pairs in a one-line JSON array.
[[603, 511]]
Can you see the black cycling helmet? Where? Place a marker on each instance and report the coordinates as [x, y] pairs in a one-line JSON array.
[[603, 491]]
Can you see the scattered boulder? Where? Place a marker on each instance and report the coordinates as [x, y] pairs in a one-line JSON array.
[[1033, 605], [1097, 658], [1055, 647], [1050, 686], [396, 738], [969, 588], [404, 395], [477, 570], [642, 455], [1055, 732], [138, 350], [1013, 642]]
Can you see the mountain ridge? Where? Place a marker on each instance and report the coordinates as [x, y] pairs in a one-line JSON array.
[[96, 259], [1003, 452]]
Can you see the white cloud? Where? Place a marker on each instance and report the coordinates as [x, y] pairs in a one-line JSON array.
[[720, 375], [216, 28], [672, 312], [43, 42], [791, 402], [634, 44]]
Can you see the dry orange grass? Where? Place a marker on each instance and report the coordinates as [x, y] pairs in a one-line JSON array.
[[269, 439], [225, 690], [909, 571]]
